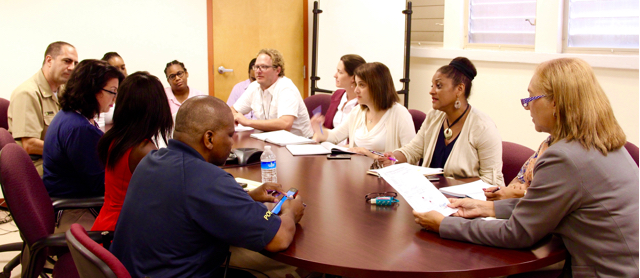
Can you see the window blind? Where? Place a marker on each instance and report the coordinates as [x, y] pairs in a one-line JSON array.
[[502, 22], [603, 24]]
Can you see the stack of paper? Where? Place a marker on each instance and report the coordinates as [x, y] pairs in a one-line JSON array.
[[416, 189], [281, 138], [472, 190], [240, 127], [422, 170], [323, 148]]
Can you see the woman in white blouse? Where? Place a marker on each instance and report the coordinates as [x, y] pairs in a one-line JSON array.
[[454, 129], [379, 122], [343, 100]]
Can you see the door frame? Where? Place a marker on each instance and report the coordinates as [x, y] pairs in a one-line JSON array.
[[305, 39]]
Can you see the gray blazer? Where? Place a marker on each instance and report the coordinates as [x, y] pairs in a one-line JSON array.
[[589, 200]]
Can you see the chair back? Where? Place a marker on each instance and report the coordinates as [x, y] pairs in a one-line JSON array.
[[5, 137], [513, 157], [91, 259], [27, 199], [4, 119], [633, 151], [316, 100], [418, 118]]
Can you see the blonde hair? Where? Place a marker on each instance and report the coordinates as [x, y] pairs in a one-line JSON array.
[[583, 112], [276, 58]]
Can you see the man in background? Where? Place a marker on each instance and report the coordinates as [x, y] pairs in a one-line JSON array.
[[35, 102], [274, 99]]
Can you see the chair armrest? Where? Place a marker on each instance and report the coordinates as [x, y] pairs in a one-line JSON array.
[[59, 239], [77, 203], [16, 246]]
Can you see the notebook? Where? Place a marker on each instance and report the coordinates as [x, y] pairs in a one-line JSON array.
[[281, 138], [471, 190], [251, 185], [425, 171], [323, 148]]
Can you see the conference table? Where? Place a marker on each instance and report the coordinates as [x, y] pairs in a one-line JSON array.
[[341, 234]]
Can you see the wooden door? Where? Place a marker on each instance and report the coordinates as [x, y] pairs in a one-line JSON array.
[[240, 28]]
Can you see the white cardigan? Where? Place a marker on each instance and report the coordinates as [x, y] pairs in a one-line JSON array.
[[477, 151], [399, 125]]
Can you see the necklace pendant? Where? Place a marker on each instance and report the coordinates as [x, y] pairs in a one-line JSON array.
[[448, 133]]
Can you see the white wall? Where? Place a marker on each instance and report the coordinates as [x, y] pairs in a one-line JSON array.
[[147, 34]]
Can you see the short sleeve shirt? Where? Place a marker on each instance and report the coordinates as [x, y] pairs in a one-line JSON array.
[[181, 213], [174, 104], [285, 100], [32, 108]]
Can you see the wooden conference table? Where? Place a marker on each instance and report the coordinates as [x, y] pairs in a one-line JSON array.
[[341, 234]]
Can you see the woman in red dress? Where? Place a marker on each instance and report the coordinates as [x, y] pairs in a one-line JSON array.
[[142, 114]]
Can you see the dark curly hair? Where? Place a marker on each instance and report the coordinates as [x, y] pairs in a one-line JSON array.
[[87, 80], [142, 113]]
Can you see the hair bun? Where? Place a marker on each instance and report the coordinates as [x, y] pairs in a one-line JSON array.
[[459, 65]]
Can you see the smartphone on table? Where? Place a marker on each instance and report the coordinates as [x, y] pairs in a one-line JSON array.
[[292, 193]]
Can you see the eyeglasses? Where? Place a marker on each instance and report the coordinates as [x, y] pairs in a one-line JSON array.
[[178, 74], [111, 92], [525, 101], [262, 67], [380, 194]]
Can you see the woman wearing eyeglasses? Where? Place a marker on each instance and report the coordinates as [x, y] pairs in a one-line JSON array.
[[179, 91], [378, 123], [584, 188], [141, 115], [72, 168], [454, 135]]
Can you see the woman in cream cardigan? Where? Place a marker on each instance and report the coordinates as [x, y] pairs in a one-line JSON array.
[[454, 135], [379, 122]]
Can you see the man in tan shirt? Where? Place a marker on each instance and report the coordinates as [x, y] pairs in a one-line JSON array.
[[35, 102]]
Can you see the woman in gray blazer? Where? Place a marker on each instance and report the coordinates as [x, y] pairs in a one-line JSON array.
[[585, 185]]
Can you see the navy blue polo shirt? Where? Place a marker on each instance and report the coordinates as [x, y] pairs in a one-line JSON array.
[[181, 213]]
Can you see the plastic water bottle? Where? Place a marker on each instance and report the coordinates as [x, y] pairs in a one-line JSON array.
[[268, 165]]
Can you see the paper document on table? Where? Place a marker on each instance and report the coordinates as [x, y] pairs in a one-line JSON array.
[[414, 187], [281, 138], [323, 148], [473, 190], [251, 185], [423, 170], [240, 127]]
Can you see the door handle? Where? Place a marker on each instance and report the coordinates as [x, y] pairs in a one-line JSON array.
[[222, 70]]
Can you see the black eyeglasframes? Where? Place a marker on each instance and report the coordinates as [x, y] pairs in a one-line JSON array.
[[380, 194], [111, 92]]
